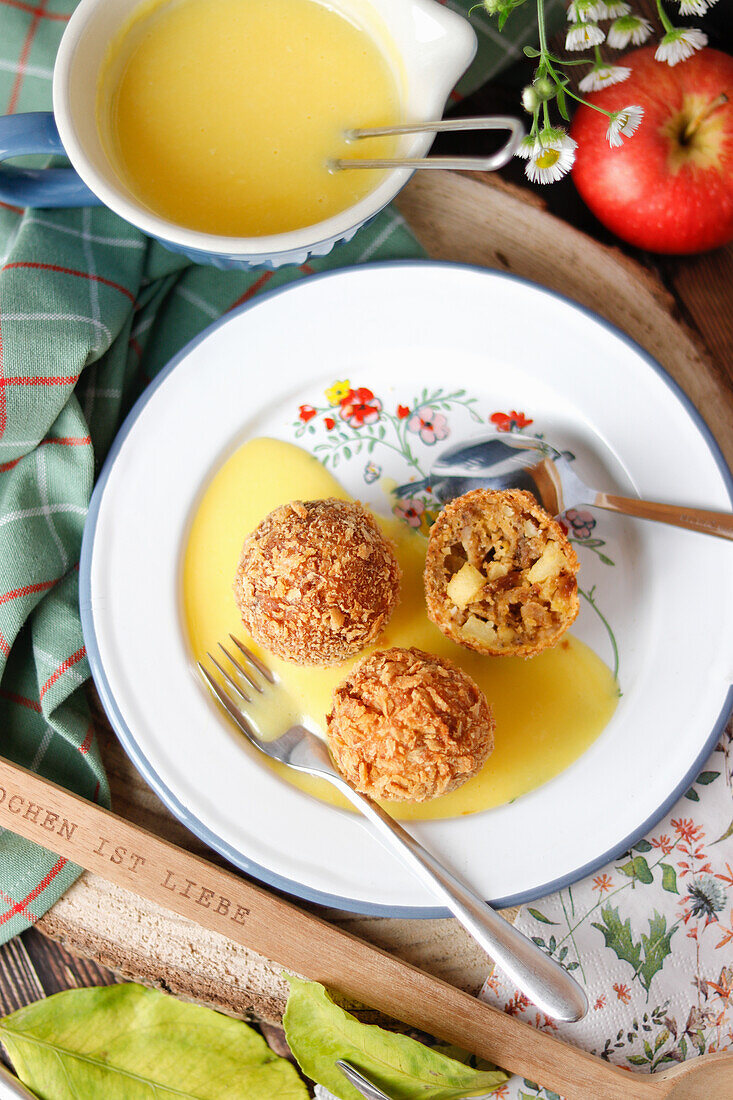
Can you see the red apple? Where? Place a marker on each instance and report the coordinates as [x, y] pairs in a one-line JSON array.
[[669, 188]]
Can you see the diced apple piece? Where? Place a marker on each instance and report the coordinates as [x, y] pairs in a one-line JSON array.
[[496, 569], [549, 565], [480, 630], [465, 585]]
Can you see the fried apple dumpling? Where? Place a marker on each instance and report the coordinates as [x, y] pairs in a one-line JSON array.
[[408, 726], [500, 574], [317, 581]]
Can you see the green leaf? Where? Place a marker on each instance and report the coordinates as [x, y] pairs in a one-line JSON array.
[[530, 51], [638, 1060], [692, 795], [463, 1056], [638, 868], [669, 878], [562, 103], [661, 1040], [618, 936], [668, 1057], [707, 777], [656, 947], [319, 1032], [540, 916], [643, 846], [124, 1042]]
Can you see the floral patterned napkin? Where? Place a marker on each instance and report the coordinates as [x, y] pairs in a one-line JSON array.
[[650, 938]]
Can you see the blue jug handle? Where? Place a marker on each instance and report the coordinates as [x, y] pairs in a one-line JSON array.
[[36, 132]]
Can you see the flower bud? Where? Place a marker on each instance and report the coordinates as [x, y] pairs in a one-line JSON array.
[[544, 87], [530, 99]]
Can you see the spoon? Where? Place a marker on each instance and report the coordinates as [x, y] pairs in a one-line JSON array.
[[707, 1077], [361, 1083], [515, 461], [11, 1088], [488, 163]]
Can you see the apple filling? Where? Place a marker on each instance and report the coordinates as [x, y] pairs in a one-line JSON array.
[[500, 574]]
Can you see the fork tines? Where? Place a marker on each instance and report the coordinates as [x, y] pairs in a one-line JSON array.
[[247, 665]]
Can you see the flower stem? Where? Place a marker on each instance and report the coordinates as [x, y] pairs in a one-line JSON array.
[[541, 26], [572, 938], [663, 18], [579, 99], [589, 597]]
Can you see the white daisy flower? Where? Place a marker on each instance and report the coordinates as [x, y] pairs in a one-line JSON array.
[[527, 147], [603, 76], [582, 35], [613, 9], [580, 11], [625, 122], [553, 156], [679, 44], [694, 7], [629, 28]]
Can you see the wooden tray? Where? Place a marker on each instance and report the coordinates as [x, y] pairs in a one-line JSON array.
[[473, 220]]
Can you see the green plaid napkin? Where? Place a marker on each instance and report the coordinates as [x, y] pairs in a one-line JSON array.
[[90, 310]]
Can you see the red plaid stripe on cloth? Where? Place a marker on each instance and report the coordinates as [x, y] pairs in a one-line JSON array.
[[90, 310]]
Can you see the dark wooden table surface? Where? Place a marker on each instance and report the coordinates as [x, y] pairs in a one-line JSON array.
[[32, 966]]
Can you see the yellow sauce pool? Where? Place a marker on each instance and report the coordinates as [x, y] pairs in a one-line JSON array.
[[222, 115], [548, 709]]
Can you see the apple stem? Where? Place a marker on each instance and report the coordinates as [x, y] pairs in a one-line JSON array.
[[699, 117]]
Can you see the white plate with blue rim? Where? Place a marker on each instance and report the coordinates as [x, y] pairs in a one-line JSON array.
[[462, 345]]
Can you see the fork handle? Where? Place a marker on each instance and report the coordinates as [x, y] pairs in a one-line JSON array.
[[693, 519], [542, 979]]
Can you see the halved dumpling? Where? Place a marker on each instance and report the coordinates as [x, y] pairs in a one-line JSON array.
[[500, 574]]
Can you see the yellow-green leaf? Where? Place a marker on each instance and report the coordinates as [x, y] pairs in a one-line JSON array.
[[319, 1033], [125, 1042], [669, 878]]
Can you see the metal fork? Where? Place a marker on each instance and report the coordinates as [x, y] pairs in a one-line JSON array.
[[538, 976]]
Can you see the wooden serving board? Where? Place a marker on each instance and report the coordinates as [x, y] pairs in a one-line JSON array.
[[474, 220]]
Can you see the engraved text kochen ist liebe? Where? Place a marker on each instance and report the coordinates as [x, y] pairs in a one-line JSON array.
[[118, 854]]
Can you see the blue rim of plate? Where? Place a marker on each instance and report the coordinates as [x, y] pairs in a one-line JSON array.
[[264, 874]]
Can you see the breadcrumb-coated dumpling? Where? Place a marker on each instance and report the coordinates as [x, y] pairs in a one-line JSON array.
[[407, 725], [500, 574], [317, 581]]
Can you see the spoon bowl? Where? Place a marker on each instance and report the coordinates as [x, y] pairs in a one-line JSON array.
[[510, 460]]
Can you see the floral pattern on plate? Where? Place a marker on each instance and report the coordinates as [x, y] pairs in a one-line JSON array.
[[355, 421]]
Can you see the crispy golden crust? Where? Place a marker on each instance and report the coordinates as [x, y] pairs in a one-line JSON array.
[[408, 726], [317, 581], [500, 574]]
